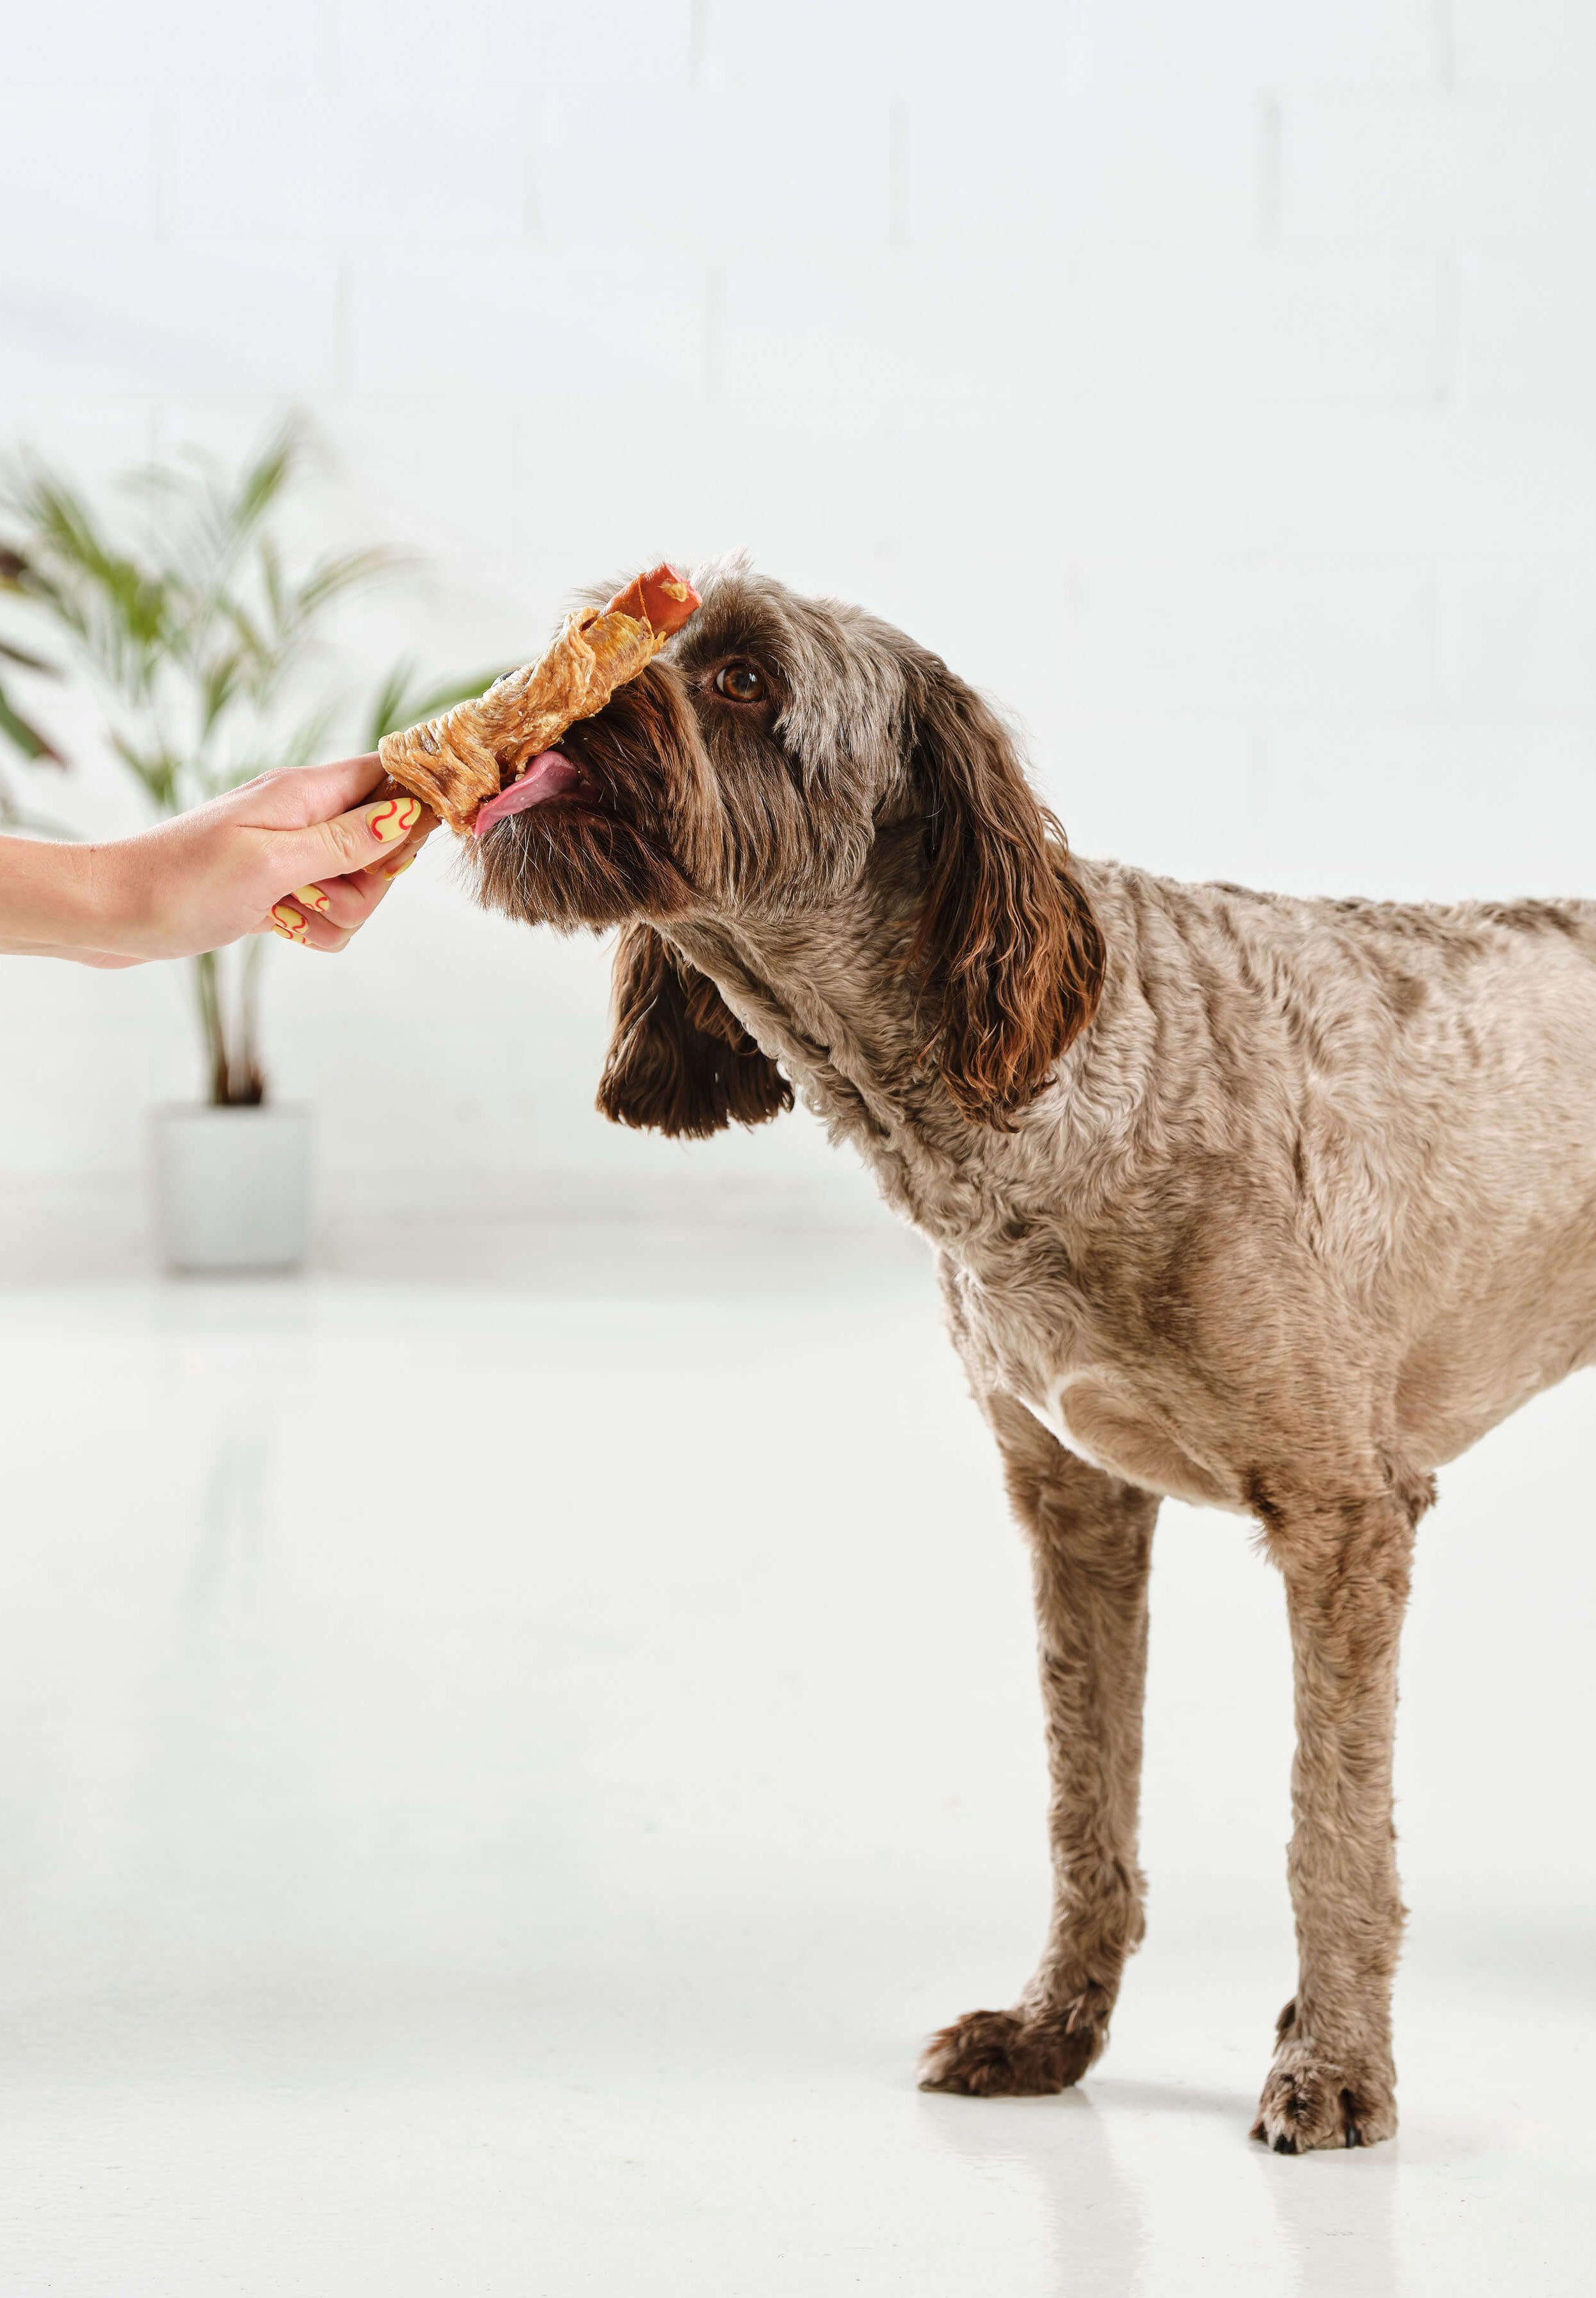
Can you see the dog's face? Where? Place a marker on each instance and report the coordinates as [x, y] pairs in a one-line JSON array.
[[747, 776], [744, 772]]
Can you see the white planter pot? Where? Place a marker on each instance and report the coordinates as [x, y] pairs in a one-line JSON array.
[[231, 1186]]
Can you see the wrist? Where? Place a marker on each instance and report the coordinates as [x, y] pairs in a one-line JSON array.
[[47, 903], [105, 892]]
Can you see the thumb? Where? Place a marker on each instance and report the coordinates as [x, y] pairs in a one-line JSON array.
[[349, 842]]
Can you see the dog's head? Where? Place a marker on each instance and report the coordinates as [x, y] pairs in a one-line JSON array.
[[750, 775]]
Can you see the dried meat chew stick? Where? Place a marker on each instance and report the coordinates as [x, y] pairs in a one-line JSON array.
[[455, 763]]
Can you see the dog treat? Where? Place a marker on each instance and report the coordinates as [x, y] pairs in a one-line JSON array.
[[455, 763]]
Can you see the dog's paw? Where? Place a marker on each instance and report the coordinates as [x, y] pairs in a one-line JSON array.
[[1011, 2054], [1311, 2098]]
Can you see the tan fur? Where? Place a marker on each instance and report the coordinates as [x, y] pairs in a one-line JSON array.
[[1274, 1205]]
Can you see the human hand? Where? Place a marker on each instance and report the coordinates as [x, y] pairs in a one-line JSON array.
[[292, 853]]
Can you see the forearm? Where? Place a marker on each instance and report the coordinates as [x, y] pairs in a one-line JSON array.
[[295, 852], [55, 901]]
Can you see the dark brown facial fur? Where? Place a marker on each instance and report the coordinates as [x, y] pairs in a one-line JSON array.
[[742, 782], [638, 839]]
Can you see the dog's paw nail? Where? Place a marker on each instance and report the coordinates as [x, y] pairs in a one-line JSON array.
[[1308, 2104]]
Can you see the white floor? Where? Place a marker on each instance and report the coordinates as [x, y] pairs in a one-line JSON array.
[[497, 1778]]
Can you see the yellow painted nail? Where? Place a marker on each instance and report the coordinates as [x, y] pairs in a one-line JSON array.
[[290, 922], [312, 897], [394, 819], [398, 869]]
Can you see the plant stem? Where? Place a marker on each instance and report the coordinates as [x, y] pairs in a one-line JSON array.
[[251, 1084], [191, 633], [210, 1026]]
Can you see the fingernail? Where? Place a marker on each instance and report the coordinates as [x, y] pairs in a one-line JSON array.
[[312, 897], [290, 922], [394, 819], [398, 869]]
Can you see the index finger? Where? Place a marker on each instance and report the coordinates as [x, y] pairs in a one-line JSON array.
[[302, 795]]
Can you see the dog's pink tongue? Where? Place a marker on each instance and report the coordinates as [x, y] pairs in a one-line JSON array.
[[547, 776]]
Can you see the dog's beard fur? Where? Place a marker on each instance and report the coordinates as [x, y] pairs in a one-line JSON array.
[[680, 817], [641, 848], [698, 810]]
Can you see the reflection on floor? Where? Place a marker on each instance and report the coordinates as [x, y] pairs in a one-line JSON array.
[[498, 1778]]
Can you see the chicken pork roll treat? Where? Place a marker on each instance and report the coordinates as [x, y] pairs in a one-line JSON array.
[[458, 762]]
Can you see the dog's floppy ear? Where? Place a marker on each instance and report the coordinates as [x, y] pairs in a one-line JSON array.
[[680, 1062], [1008, 956]]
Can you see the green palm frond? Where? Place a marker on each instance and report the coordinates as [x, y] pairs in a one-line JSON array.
[[26, 661], [16, 816], [387, 703], [199, 636], [204, 515], [334, 578], [262, 482], [217, 682], [306, 743], [269, 561], [119, 614], [23, 735], [159, 773], [398, 702], [28, 739]]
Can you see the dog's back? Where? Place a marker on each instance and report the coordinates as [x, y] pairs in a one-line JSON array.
[[1419, 1084]]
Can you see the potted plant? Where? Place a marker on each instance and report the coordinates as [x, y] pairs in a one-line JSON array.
[[205, 651], [18, 732]]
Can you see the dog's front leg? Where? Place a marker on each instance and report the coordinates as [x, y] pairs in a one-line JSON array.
[[1092, 1546], [1346, 1571]]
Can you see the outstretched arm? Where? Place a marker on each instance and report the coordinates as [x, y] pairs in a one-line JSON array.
[[294, 853]]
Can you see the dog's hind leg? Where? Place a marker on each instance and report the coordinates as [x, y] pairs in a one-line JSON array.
[[1091, 1541], [1346, 1571]]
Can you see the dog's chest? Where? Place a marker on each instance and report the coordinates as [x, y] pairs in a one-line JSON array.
[[1038, 1345]]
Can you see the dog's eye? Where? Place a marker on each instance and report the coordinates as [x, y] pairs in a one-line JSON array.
[[740, 682]]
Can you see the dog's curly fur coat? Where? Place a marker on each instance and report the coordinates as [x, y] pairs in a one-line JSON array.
[[1266, 1203]]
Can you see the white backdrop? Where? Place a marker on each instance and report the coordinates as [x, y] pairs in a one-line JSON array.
[[1215, 385], [1214, 382]]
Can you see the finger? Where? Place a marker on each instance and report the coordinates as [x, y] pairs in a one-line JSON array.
[[350, 899], [300, 796], [395, 865], [288, 921], [326, 941], [348, 842], [345, 902], [308, 931]]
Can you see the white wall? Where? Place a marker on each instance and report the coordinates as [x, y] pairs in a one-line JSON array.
[[1215, 384]]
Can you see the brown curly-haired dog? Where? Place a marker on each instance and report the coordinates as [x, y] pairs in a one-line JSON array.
[[1269, 1204]]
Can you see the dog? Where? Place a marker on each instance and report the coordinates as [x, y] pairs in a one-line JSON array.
[[1270, 1204]]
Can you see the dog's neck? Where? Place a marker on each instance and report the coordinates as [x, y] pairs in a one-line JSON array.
[[830, 994]]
